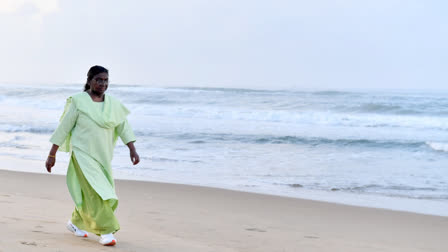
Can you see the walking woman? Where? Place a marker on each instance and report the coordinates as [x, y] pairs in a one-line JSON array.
[[89, 128]]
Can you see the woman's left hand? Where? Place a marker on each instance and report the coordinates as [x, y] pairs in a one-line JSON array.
[[135, 159]]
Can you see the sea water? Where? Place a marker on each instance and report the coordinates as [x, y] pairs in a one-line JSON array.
[[386, 149]]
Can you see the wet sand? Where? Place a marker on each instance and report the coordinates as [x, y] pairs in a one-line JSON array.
[[168, 217]]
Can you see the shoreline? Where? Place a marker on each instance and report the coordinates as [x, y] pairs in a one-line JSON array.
[[400, 204], [173, 217]]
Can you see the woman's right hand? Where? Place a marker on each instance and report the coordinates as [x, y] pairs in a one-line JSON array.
[[51, 159], [50, 163]]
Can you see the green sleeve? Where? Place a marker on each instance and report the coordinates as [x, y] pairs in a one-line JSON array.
[[125, 132], [66, 125]]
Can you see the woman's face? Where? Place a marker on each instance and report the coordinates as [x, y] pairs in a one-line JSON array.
[[99, 83]]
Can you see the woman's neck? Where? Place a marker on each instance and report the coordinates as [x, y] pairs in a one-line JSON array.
[[96, 96]]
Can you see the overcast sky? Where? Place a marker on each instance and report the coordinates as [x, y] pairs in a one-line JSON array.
[[277, 44]]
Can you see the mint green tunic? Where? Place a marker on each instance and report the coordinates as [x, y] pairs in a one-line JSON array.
[[89, 130]]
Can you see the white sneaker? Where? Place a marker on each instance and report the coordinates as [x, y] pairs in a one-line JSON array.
[[108, 240], [75, 230]]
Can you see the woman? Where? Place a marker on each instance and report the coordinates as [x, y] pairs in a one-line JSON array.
[[89, 128]]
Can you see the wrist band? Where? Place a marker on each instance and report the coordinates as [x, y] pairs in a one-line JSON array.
[[51, 155]]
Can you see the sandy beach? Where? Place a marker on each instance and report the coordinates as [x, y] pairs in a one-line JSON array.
[[168, 217]]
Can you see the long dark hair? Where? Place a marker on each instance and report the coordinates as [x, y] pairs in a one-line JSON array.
[[92, 72]]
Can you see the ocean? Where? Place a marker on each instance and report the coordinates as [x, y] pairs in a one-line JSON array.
[[385, 149]]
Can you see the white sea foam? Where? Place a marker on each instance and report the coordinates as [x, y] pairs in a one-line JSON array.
[[438, 146]]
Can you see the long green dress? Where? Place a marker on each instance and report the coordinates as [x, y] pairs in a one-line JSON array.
[[89, 131]]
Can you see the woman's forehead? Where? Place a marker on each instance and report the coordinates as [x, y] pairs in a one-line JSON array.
[[102, 75]]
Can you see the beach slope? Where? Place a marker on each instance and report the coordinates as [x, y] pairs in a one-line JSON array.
[[167, 217]]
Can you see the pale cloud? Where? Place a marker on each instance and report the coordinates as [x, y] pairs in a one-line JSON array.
[[28, 15], [46, 6], [43, 6], [10, 6]]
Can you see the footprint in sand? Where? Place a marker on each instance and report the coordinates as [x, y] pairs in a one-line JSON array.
[[41, 232], [29, 243], [256, 230]]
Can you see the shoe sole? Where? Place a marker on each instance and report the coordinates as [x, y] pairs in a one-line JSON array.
[[112, 243]]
